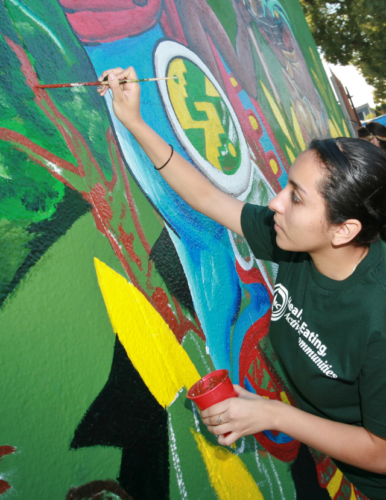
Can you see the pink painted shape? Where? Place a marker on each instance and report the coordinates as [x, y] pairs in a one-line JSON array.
[[112, 25]]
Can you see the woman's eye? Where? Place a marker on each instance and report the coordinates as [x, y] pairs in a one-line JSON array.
[[294, 198]]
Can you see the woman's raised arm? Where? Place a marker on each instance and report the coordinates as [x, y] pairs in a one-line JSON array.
[[186, 180]]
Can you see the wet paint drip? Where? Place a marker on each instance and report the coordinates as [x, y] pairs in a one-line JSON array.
[[205, 385]]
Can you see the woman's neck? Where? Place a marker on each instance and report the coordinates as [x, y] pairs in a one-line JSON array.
[[339, 263]]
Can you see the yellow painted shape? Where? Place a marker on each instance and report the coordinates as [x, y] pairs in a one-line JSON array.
[[276, 111], [234, 82], [212, 126], [334, 484], [330, 102], [227, 473], [332, 128], [290, 154], [232, 149], [210, 89], [253, 122], [346, 132], [337, 127], [321, 88], [273, 165], [298, 130], [151, 346], [284, 398], [353, 495]]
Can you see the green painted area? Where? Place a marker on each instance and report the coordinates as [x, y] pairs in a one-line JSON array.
[[226, 15], [54, 62], [229, 156], [20, 113], [305, 40], [276, 71], [13, 250], [56, 349], [188, 467], [271, 475], [28, 193], [186, 462]]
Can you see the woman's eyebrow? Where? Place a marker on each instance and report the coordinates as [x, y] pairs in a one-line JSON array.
[[297, 186]]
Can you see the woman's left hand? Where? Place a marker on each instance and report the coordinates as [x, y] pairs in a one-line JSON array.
[[238, 417]]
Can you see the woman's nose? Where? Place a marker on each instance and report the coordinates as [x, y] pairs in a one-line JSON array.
[[276, 204]]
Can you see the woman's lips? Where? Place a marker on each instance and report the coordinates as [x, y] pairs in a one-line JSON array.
[[277, 227]]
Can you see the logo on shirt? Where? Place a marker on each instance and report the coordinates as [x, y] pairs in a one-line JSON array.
[[309, 341], [280, 301]]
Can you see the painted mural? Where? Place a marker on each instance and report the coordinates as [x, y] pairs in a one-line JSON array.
[[115, 296]]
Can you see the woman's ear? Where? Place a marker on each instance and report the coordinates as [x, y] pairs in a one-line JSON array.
[[375, 141], [346, 232]]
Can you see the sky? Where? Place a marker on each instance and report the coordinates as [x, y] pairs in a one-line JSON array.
[[354, 81]]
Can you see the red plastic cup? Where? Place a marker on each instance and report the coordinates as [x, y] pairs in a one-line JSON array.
[[211, 389]]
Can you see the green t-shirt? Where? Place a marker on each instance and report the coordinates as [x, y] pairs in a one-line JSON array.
[[329, 336]]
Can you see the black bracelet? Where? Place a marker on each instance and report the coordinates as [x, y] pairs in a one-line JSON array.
[[170, 157]]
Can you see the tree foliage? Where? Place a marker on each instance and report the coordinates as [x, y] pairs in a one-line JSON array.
[[380, 109], [352, 32]]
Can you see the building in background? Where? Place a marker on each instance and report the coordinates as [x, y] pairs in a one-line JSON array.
[[344, 99], [363, 111]]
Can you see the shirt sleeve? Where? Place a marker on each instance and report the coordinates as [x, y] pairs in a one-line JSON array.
[[258, 227], [372, 386]]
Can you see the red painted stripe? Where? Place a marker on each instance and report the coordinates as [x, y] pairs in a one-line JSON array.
[[4, 486], [99, 5], [6, 450], [18, 139], [109, 26], [171, 24]]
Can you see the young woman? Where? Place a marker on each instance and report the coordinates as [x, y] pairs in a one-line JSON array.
[[374, 132], [328, 325]]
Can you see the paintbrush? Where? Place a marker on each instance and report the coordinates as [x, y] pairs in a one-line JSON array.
[[103, 82]]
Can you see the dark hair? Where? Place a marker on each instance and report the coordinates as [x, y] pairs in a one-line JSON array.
[[97, 490], [355, 184], [363, 133], [374, 129]]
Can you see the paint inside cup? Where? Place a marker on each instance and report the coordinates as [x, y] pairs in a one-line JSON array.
[[208, 383], [212, 389]]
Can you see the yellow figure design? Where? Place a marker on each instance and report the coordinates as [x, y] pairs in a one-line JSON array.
[[333, 130], [334, 484], [276, 111], [212, 126], [290, 154], [151, 346], [227, 473], [298, 131], [210, 89]]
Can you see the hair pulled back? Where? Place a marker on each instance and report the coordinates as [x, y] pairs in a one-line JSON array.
[[354, 186], [371, 130]]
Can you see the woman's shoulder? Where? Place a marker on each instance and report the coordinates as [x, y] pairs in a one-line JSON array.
[[378, 267]]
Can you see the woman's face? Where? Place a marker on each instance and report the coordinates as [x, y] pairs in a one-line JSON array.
[[300, 220]]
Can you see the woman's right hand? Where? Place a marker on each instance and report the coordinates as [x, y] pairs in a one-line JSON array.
[[126, 96]]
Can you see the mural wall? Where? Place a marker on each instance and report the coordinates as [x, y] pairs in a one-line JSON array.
[[115, 296]]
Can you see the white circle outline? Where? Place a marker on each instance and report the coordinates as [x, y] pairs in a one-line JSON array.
[[234, 184], [246, 265]]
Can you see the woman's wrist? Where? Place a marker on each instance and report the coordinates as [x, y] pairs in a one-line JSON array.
[[134, 125], [277, 412]]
